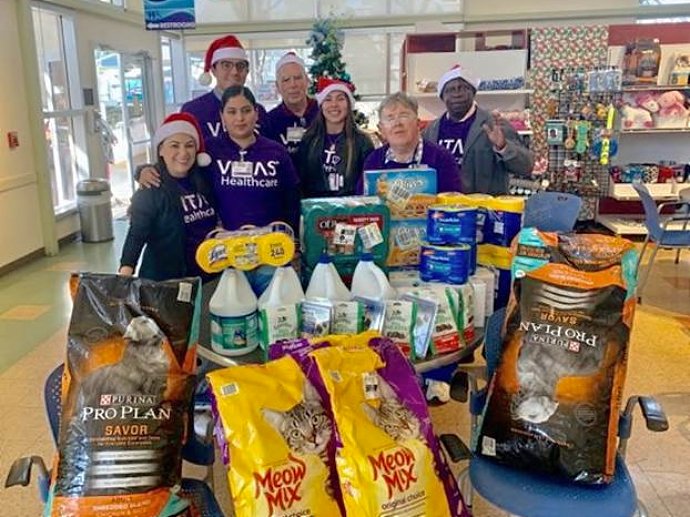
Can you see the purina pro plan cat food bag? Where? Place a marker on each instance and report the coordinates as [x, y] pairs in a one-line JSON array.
[[277, 433], [126, 394], [387, 455], [554, 400]]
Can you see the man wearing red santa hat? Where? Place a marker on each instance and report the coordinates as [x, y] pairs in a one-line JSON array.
[[227, 61]]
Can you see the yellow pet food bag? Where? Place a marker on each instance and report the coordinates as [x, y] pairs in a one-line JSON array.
[[385, 458], [277, 434]]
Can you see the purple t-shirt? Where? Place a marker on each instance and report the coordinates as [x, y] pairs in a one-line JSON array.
[[433, 155], [256, 185], [199, 218], [452, 135], [286, 128], [206, 108]]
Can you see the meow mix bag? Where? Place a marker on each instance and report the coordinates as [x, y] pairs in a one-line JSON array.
[[277, 435], [554, 400], [126, 395], [386, 451]]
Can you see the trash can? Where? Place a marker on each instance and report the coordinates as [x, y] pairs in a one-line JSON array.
[[95, 212]]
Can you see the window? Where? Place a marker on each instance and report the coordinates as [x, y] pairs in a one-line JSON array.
[[673, 19], [174, 83], [62, 104], [233, 11]]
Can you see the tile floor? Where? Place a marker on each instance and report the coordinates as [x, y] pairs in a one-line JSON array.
[[35, 310]]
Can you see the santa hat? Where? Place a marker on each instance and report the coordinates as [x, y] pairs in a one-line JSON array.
[[326, 85], [288, 58], [227, 47], [187, 124], [457, 72]]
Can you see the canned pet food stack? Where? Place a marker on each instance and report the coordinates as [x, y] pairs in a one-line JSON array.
[[451, 236]]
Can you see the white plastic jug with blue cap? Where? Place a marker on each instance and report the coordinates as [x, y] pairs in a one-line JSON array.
[[325, 283], [234, 322], [284, 289], [369, 281]]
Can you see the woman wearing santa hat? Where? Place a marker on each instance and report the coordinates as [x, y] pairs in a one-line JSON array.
[[331, 155], [171, 221]]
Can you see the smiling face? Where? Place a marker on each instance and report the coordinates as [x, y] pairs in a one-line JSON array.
[[230, 72], [335, 108], [178, 152], [239, 117], [458, 95], [399, 125], [292, 84]]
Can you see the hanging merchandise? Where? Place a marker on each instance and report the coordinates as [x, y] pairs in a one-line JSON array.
[[580, 164], [233, 311], [326, 284], [369, 280]]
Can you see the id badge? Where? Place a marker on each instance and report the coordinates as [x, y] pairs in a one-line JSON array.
[[242, 169], [295, 134], [335, 181]]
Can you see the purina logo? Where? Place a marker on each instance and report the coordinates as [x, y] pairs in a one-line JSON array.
[[130, 400]]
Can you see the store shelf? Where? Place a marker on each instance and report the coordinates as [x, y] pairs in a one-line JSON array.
[[653, 88], [659, 191], [627, 224], [525, 132], [481, 93], [655, 130]]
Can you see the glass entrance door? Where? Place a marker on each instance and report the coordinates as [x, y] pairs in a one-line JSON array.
[[125, 119]]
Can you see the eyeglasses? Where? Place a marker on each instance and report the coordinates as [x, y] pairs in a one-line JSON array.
[[400, 117], [240, 66]]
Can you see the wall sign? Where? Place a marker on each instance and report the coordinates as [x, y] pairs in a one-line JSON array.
[[169, 14]]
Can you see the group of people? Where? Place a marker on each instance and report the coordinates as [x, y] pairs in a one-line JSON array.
[[225, 161]]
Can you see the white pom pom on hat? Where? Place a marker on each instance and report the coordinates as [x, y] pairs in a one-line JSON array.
[[457, 72], [187, 124], [289, 57], [227, 47]]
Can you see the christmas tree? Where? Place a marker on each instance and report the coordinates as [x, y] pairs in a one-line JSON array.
[[326, 41]]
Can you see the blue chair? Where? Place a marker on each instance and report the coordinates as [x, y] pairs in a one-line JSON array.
[[532, 494], [658, 232], [194, 451], [552, 211]]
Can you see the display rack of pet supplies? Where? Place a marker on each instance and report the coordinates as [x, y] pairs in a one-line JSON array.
[[582, 132]]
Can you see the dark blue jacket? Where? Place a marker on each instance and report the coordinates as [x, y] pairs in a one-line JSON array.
[[156, 221]]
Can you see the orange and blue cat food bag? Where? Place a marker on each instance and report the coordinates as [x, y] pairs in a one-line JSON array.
[[276, 433], [387, 456], [555, 397], [126, 393]]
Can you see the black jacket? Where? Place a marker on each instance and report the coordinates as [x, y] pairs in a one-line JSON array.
[[309, 166], [156, 221]]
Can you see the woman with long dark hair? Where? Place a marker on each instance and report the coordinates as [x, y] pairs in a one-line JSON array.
[[331, 155]]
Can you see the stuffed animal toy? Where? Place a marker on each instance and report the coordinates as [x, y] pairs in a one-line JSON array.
[[672, 111], [636, 118], [647, 101]]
